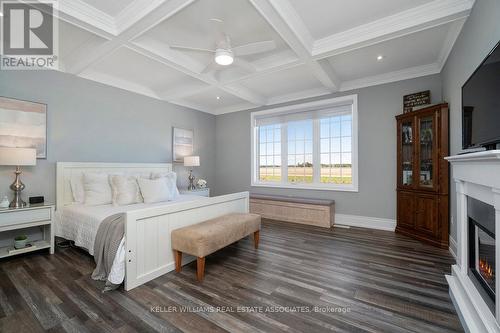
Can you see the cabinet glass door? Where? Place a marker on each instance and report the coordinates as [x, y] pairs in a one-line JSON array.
[[407, 153], [426, 152]]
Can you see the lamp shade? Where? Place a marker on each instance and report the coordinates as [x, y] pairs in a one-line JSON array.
[[17, 156], [192, 161]]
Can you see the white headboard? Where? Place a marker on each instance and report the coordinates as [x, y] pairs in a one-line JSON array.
[[66, 170]]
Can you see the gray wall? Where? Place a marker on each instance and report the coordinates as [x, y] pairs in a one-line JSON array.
[[92, 122], [377, 107], [479, 35]]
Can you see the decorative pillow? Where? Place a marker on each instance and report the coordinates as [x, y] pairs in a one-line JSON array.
[[97, 189], [154, 190], [171, 179], [125, 190], [76, 185]]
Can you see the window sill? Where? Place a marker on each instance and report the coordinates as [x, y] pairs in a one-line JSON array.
[[349, 188]]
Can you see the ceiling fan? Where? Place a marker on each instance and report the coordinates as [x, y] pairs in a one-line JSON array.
[[225, 54]]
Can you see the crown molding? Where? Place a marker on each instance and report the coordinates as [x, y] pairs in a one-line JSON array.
[[234, 108], [407, 22], [118, 83], [404, 74], [450, 40], [193, 106], [315, 92], [89, 15]]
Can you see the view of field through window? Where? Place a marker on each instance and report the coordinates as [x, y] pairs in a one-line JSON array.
[[335, 150]]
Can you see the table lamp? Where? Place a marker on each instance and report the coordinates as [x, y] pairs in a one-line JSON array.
[[191, 161], [17, 157]]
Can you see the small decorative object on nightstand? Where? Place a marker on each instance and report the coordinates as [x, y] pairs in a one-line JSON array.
[[5, 202], [191, 161], [36, 222], [17, 157], [201, 183], [202, 192]]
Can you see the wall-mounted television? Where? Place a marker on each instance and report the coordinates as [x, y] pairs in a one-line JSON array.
[[481, 105]]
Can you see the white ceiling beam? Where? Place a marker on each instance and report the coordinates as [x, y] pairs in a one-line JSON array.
[[93, 54], [173, 60], [137, 10], [92, 18], [156, 12], [244, 93], [423, 17], [284, 19]]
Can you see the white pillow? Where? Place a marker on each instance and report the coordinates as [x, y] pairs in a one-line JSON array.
[[125, 190], [97, 189], [76, 185], [155, 190], [171, 178]]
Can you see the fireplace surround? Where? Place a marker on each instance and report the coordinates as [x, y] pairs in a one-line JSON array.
[[473, 281]]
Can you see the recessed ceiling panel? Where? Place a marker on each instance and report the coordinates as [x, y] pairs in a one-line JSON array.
[[72, 38], [203, 24], [327, 17], [130, 66], [421, 48], [214, 99], [288, 81], [110, 7]]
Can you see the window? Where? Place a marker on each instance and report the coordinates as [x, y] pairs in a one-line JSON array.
[[311, 145], [270, 153]]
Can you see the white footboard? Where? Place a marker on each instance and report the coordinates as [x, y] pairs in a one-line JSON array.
[[147, 233]]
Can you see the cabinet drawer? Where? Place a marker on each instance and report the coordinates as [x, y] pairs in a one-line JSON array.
[[25, 216]]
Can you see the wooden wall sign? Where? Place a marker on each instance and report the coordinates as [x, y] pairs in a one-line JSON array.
[[416, 99]]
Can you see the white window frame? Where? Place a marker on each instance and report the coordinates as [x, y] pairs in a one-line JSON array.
[[326, 103]]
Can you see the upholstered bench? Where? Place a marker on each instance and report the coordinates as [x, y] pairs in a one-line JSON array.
[[209, 236], [318, 212]]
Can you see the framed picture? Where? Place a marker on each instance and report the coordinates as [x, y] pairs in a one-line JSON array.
[[23, 124], [182, 144]]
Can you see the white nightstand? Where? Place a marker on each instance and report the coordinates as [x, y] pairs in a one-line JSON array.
[[202, 192], [38, 218]]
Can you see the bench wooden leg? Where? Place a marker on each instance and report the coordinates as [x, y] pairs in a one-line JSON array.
[[256, 239], [178, 260], [200, 268]]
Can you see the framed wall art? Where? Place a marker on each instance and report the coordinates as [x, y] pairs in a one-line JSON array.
[[182, 144], [23, 124]]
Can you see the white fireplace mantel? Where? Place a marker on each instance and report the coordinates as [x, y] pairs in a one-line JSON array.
[[476, 175]]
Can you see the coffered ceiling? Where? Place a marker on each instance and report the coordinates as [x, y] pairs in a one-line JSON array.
[[322, 46]]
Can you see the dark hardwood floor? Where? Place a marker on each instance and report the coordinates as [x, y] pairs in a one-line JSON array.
[[376, 281]]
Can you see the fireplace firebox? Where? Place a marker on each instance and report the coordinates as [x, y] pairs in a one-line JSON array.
[[482, 268]]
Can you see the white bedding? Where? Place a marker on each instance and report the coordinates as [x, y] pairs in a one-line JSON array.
[[80, 223]]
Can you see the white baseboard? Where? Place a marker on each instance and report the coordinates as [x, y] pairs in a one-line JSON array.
[[365, 222], [453, 247]]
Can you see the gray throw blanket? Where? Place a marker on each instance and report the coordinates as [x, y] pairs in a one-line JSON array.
[[107, 241]]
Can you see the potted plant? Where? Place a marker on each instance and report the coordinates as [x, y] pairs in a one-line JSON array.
[[20, 241]]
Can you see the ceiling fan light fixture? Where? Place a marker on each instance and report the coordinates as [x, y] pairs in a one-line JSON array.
[[224, 57]]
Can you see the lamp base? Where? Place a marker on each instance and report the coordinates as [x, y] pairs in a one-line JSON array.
[[191, 181], [17, 202], [17, 186]]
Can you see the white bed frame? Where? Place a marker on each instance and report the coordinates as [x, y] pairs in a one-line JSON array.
[[147, 231]]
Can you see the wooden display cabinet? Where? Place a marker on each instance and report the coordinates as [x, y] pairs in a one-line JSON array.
[[423, 175]]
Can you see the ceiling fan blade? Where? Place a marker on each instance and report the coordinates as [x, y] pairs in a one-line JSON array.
[[210, 67], [246, 65], [187, 48], [252, 48]]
